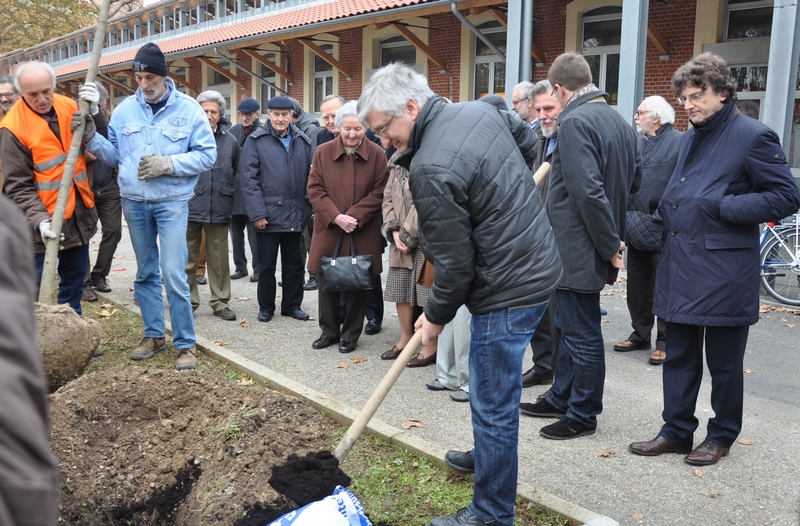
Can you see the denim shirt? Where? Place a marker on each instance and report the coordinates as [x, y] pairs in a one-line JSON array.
[[180, 130]]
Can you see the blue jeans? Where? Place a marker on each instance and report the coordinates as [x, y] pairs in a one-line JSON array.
[[165, 222], [498, 343], [581, 362], [71, 263]]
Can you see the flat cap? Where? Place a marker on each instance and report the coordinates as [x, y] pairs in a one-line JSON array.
[[248, 106], [280, 103]]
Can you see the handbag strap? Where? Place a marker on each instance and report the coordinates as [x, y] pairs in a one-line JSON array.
[[353, 251]]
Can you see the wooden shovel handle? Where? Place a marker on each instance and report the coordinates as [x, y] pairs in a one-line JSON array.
[[541, 172], [362, 419]]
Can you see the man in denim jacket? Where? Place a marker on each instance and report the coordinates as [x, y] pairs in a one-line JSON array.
[[160, 140]]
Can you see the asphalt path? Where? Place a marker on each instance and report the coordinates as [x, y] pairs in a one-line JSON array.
[[757, 484]]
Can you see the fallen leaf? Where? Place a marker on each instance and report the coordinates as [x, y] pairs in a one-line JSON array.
[[790, 325], [605, 321], [246, 381], [698, 473], [408, 424], [415, 464], [342, 365], [763, 309], [605, 452], [606, 293], [130, 289], [637, 516], [242, 298], [746, 441], [107, 305], [358, 359], [106, 314], [219, 342], [748, 371], [244, 323], [716, 495]]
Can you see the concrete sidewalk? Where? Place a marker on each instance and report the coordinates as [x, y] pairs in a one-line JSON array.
[[755, 485]]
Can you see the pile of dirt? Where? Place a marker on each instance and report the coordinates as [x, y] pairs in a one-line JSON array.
[[160, 447]]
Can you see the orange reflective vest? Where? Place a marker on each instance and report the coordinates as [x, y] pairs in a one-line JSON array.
[[50, 155]]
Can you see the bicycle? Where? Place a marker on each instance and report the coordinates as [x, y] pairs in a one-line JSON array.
[[780, 260]]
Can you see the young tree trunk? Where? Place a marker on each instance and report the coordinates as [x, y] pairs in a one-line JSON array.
[[51, 245]]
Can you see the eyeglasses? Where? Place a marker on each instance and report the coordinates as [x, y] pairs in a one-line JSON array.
[[641, 113], [553, 93], [247, 113], [7, 95], [382, 131], [515, 102], [697, 97]]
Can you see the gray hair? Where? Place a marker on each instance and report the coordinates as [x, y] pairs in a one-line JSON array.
[[213, 96], [657, 106], [525, 89], [34, 64], [542, 87], [390, 89], [102, 91], [331, 97], [8, 79], [349, 109], [297, 110]]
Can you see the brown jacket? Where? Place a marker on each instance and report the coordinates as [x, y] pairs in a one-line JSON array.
[[28, 470], [399, 214], [340, 183]]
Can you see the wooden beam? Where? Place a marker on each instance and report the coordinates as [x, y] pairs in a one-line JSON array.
[[258, 57], [344, 70], [419, 44], [380, 25], [657, 39], [180, 81], [500, 16], [537, 54], [219, 69], [122, 87]]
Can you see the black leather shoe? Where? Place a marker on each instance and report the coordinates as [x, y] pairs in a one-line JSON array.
[[264, 315], [706, 453], [101, 284], [347, 347], [566, 428], [542, 409], [323, 342], [226, 314], [201, 280], [311, 284], [254, 277], [239, 274], [461, 461], [658, 446], [628, 345], [88, 294], [298, 314], [532, 377], [462, 517], [373, 327]]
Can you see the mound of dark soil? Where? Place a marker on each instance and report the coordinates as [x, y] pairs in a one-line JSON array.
[[157, 447]]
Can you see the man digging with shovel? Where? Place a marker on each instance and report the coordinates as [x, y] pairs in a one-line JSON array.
[[484, 228]]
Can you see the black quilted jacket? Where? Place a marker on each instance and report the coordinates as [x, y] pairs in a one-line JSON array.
[[644, 228]]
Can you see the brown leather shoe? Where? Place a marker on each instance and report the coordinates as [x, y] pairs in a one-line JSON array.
[[628, 345], [658, 357], [417, 361], [657, 446], [391, 354], [532, 377], [706, 453]]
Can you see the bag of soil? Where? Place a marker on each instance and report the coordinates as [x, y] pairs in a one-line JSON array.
[[340, 509]]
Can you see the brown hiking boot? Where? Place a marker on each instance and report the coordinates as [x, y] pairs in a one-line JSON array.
[[148, 348], [187, 359]]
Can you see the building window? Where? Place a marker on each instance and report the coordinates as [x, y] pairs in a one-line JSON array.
[[266, 91], [748, 19], [490, 70], [218, 78], [210, 11], [602, 29], [397, 49], [323, 77]]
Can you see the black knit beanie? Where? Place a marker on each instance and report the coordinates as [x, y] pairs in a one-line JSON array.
[[150, 59]]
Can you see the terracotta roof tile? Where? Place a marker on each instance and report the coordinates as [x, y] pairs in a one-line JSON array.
[[335, 10]]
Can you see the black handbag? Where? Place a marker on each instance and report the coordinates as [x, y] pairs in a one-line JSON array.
[[343, 273]]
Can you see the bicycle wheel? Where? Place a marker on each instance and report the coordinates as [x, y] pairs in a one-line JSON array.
[[780, 268]]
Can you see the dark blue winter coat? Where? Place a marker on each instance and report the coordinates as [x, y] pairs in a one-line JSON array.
[[213, 193], [273, 181], [731, 175]]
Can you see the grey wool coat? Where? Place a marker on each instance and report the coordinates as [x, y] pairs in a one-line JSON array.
[[596, 165]]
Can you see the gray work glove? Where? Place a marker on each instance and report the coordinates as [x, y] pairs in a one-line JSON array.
[[89, 93], [88, 130], [154, 165]]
